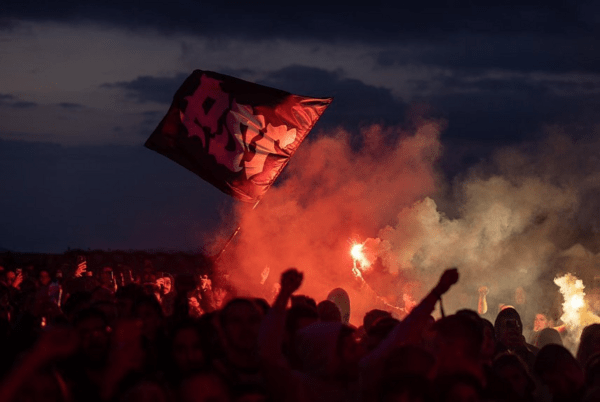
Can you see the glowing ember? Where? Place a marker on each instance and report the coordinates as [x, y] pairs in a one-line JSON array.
[[576, 315]]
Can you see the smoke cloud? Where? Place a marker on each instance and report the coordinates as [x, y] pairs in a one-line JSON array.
[[512, 223], [333, 194]]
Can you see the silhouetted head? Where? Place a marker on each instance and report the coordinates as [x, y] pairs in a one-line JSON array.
[[240, 320], [560, 371]]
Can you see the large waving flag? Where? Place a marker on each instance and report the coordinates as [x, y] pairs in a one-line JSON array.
[[235, 134]]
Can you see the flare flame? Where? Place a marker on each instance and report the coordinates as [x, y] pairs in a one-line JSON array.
[[362, 264], [576, 314]]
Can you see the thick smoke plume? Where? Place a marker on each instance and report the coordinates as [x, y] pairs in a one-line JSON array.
[[332, 195], [511, 224]]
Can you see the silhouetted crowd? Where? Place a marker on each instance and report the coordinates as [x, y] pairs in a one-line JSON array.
[[74, 337]]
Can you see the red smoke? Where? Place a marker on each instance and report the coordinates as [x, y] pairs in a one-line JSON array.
[[330, 194]]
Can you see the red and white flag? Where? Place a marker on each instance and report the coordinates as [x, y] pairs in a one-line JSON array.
[[235, 134]]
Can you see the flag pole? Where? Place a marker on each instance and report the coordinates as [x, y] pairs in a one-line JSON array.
[[235, 232]]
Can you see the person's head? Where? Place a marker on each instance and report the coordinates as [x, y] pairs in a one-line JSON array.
[[10, 277], [188, 347], [44, 277], [378, 331], [298, 317], [559, 370], [329, 350], [150, 312], [205, 282], [220, 295], [106, 276], [92, 326], [541, 321], [203, 386], [328, 311], [520, 296], [509, 327], [458, 337], [240, 320], [373, 316], [548, 336], [513, 371], [167, 285], [297, 300], [589, 343]]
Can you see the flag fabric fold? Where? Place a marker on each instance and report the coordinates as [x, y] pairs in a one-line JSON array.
[[234, 134]]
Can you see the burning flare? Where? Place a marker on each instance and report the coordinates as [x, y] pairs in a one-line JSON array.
[[576, 314], [362, 264]]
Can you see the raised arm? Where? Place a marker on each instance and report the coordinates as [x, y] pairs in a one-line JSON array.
[[482, 306], [417, 319], [411, 327], [277, 370]]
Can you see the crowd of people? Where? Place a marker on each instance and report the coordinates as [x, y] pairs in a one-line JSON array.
[[158, 337]]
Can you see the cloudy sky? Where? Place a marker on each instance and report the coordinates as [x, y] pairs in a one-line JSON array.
[[83, 85]]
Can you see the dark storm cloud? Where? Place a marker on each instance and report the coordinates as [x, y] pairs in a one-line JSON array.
[[387, 20], [485, 113], [522, 53], [355, 103], [150, 89], [100, 197]]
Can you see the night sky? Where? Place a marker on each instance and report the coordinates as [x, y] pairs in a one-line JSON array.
[[84, 84]]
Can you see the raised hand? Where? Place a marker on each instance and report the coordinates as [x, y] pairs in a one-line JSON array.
[[291, 280], [483, 291], [448, 278], [81, 268]]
